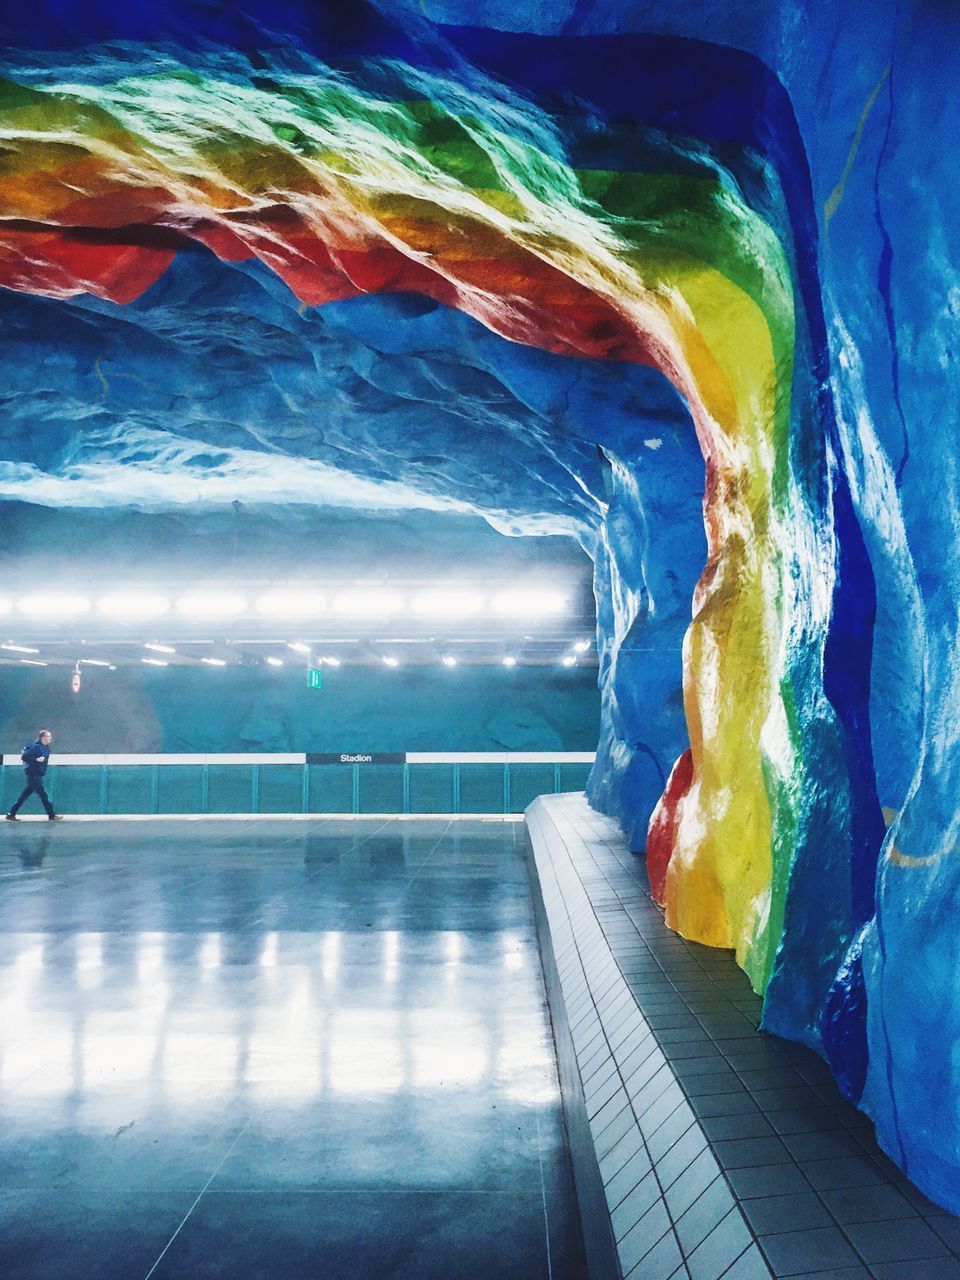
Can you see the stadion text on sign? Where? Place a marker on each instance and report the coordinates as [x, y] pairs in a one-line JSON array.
[[359, 757]]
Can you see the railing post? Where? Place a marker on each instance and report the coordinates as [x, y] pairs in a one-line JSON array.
[[405, 804], [456, 788], [356, 787], [154, 788], [305, 790], [556, 777], [506, 788], [205, 789], [103, 789], [255, 789]]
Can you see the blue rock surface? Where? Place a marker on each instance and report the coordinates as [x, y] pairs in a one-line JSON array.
[[217, 381]]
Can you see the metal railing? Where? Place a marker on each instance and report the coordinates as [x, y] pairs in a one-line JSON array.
[[301, 783]]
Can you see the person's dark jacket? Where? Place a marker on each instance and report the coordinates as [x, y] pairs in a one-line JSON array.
[[35, 756]]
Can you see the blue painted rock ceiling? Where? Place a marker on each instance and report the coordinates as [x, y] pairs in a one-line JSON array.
[[679, 282]]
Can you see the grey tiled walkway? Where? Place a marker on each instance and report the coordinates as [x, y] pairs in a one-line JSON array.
[[723, 1152], [264, 1050]]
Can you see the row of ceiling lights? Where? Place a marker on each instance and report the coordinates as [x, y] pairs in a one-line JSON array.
[[288, 603], [448, 660]]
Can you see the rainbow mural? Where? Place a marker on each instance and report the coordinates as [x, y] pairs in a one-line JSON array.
[[639, 199]]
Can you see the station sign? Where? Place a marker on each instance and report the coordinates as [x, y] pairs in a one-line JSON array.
[[356, 757]]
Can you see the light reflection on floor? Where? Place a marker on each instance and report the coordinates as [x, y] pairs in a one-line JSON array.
[[342, 1010]]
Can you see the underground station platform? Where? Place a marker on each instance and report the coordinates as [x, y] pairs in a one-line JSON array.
[[406, 1047]]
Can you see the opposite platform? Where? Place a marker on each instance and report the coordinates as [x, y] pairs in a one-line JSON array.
[[702, 1148]]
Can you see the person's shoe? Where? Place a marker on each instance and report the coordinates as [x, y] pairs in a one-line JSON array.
[[11, 817], [54, 817]]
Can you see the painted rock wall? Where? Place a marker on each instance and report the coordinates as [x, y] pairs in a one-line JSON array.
[[262, 709], [751, 210]]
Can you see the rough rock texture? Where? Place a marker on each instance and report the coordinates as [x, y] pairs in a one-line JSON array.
[[360, 709], [749, 207]]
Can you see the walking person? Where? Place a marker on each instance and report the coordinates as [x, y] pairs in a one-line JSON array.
[[35, 757]]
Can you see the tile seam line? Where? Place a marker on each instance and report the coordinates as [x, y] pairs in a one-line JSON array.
[[543, 1199], [433, 849], [199, 1197]]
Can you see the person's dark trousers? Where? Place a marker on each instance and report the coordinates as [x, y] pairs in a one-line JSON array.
[[34, 785]]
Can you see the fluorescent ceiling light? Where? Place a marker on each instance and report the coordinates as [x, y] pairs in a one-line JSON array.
[[391, 662], [568, 661], [133, 604], [29, 662], [275, 662], [529, 604], [212, 604], [54, 604], [155, 662], [214, 662], [447, 604], [509, 661], [449, 661], [332, 662], [298, 647], [582, 646], [18, 648], [368, 604], [160, 648], [291, 604], [93, 662]]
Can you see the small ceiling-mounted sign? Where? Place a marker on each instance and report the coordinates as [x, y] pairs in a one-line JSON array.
[[314, 678]]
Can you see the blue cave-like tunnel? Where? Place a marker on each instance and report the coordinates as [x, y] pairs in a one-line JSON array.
[[386, 412], [660, 296]]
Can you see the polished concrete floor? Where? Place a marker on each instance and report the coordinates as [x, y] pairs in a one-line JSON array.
[[276, 1049]]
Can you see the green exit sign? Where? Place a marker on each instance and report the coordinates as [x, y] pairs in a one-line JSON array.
[[314, 678]]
